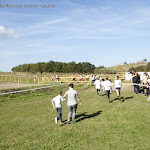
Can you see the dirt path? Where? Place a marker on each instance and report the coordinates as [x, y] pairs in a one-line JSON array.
[[4, 86]]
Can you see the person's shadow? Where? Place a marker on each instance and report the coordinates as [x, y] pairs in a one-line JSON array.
[[84, 116], [122, 99]]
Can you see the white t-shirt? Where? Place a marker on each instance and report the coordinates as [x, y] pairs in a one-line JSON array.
[[93, 77], [57, 100], [117, 83], [71, 97], [98, 84], [102, 83], [145, 79], [107, 85]]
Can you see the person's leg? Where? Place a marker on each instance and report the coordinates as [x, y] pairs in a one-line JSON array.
[[98, 91], [110, 90], [74, 112], [103, 89], [117, 91], [59, 114], [56, 118], [134, 86], [108, 95], [143, 90], [70, 112], [138, 89], [147, 91]]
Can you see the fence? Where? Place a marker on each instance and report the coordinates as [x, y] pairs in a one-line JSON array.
[[41, 80], [77, 79]]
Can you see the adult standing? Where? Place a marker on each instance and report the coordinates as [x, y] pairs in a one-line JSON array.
[[145, 83], [72, 102], [136, 80], [117, 83], [107, 86]]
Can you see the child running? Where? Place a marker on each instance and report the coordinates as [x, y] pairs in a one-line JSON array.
[[102, 84], [117, 83], [111, 86], [107, 86], [56, 102], [98, 85]]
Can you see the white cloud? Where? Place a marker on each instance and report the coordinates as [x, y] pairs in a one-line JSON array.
[[7, 33]]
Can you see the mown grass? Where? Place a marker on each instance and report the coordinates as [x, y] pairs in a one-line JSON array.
[[27, 122]]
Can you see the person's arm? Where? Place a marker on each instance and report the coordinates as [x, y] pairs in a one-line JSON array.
[[62, 99], [53, 103], [65, 95], [78, 99]]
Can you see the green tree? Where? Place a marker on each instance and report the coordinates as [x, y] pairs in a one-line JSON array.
[[144, 60]]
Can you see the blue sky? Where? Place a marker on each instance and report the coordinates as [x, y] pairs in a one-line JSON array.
[[103, 32]]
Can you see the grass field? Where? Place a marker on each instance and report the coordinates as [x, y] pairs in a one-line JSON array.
[[27, 121]]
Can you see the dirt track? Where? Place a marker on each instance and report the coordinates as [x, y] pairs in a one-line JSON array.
[[4, 86]]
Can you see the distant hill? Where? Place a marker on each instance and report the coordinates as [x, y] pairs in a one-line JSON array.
[[124, 68]]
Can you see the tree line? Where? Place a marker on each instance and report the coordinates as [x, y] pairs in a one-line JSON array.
[[51, 66]]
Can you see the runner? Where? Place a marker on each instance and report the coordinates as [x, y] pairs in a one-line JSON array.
[[102, 84], [107, 86], [72, 102], [80, 78], [57, 78], [117, 83], [98, 85], [111, 86], [56, 102], [34, 76], [92, 78]]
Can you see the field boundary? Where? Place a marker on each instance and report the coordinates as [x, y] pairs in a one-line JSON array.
[[29, 89]]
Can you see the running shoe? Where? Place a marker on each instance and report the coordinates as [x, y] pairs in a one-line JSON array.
[[55, 120]]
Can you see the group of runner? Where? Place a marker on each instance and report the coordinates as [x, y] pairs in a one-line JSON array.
[[106, 86], [101, 84], [73, 97]]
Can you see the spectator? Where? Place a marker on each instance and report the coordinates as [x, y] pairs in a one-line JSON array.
[[136, 80]]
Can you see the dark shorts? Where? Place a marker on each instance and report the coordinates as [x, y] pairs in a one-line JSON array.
[[118, 88]]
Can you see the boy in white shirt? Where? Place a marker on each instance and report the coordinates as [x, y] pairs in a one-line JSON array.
[[107, 86], [117, 83], [98, 85], [56, 102]]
